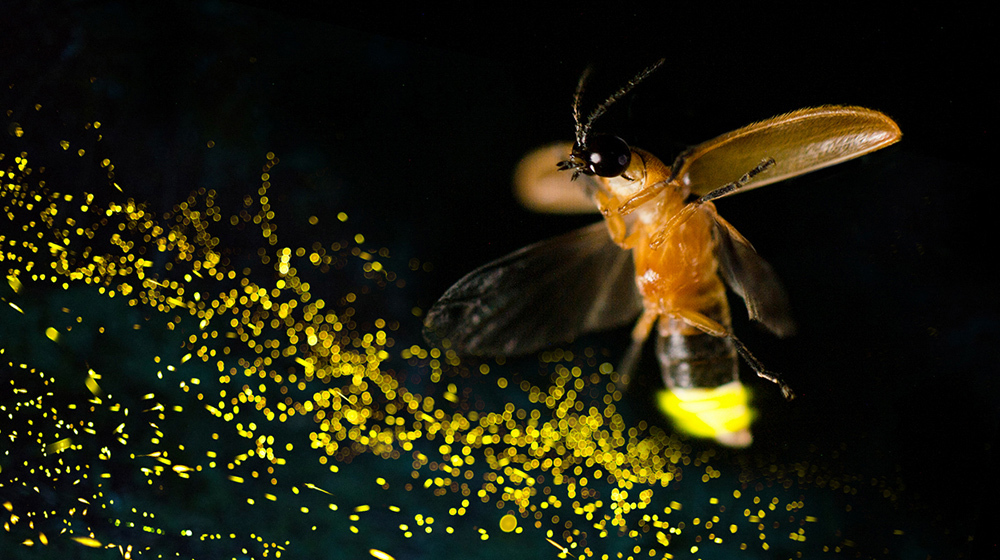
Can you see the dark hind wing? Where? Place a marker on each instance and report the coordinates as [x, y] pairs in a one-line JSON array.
[[545, 293], [752, 279]]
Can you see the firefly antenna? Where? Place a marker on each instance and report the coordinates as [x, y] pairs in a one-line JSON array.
[[583, 129], [577, 98]]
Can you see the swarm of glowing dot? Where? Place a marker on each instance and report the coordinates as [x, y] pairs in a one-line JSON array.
[[299, 385]]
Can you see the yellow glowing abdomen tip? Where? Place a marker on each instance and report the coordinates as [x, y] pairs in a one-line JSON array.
[[722, 413]]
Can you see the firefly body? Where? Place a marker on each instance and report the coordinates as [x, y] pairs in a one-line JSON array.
[[663, 254]]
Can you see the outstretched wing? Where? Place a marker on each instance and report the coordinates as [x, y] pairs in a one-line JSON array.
[[799, 142], [545, 293], [752, 279]]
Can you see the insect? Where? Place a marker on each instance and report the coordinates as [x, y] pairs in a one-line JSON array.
[[662, 254]]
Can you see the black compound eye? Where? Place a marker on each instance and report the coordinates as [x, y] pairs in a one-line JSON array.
[[604, 155]]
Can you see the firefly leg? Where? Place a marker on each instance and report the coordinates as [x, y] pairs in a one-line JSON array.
[[736, 185], [642, 197], [614, 219], [678, 164], [689, 209], [677, 219], [708, 326], [639, 335], [773, 377]]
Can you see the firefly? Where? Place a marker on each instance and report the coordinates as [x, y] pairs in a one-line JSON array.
[[662, 254]]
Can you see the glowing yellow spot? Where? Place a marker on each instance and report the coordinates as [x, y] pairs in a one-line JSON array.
[[563, 551], [508, 523], [380, 555], [721, 412], [317, 488], [92, 385], [52, 334], [58, 446], [15, 284], [87, 541], [309, 368]]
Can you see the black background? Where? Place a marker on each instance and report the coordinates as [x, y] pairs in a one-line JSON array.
[[413, 121]]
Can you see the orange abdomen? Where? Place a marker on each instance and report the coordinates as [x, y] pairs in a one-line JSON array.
[[682, 272], [682, 275]]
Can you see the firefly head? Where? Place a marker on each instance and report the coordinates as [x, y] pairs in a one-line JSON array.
[[603, 155]]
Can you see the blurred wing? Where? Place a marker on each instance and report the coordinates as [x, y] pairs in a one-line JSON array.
[[541, 187], [800, 142], [545, 293], [752, 279]]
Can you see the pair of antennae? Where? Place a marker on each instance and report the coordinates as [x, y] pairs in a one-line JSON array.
[[582, 129]]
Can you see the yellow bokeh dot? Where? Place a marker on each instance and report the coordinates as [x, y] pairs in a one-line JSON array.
[[508, 523]]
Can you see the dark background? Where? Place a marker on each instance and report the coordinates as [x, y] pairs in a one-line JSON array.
[[413, 121]]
